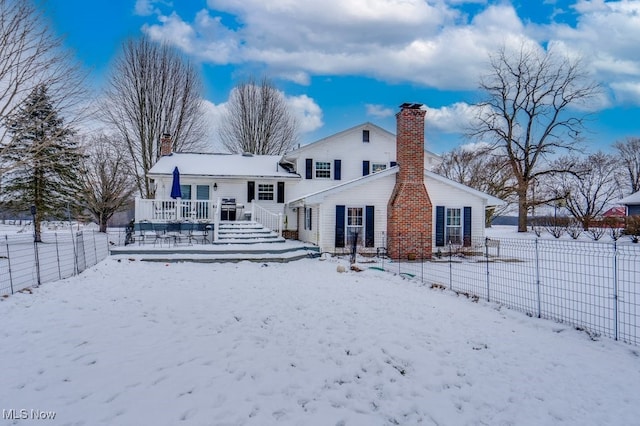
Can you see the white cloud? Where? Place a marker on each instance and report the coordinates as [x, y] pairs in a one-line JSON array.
[[143, 7], [439, 44], [379, 111], [149, 7], [213, 117], [451, 119], [627, 91], [307, 112]]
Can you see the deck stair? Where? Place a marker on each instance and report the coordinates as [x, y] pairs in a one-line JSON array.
[[246, 232]]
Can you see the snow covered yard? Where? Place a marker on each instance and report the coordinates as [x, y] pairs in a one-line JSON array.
[[137, 343]]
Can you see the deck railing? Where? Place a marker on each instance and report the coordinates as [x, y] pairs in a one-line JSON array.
[[266, 218], [170, 210]]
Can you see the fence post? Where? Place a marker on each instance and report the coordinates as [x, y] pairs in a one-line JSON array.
[[35, 251], [58, 256], [95, 248], [538, 279], [486, 254], [422, 259], [615, 288], [6, 239], [450, 267], [399, 257]]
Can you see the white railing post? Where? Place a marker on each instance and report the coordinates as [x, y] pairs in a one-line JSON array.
[[216, 220], [178, 209], [253, 210], [280, 224], [137, 212]]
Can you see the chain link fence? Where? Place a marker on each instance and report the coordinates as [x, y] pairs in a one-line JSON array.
[[594, 286], [25, 264]]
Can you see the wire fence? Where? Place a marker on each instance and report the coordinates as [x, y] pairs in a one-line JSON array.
[[594, 286], [25, 264]]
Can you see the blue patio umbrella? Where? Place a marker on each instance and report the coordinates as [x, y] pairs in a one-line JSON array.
[[175, 186]]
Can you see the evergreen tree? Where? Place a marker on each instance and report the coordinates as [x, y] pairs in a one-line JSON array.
[[44, 157]]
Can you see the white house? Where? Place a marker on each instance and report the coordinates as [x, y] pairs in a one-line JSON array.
[[632, 203], [363, 182]]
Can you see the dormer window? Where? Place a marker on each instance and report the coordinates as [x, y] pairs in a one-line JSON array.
[[365, 136]]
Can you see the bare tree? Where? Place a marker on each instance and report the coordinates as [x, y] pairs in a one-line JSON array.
[[153, 90], [528, 115], [590, 188], [482, 170], [258, 120], [105, 183], [629, 158], [31, 56]]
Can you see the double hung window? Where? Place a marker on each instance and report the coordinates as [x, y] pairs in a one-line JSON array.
[[323, 169], [265, 191], [453, 228]]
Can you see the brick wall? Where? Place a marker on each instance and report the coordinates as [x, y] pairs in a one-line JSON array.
[[409, 212], [166, 147]]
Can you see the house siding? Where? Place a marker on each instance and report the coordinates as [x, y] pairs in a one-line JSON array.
[[375, 193], [450, 197], [350, 150]]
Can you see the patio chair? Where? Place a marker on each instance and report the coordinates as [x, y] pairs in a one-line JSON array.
[[199, 231], [146, 232], [172, 233], [186, 229]]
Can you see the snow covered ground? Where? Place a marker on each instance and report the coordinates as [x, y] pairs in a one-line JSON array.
[[144, 343]]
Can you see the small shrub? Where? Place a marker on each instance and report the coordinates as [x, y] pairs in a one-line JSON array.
[[574, 230], [596, 233]]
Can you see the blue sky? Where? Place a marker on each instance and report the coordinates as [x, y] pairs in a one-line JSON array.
[[344, 62]]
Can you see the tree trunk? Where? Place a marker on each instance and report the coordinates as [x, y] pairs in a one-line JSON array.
[[37, 232], [103, 224], [522, 210]]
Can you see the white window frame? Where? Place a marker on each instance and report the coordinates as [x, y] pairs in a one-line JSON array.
[[322, 169], [378, 167], [453, 225], [266, 192], [354, 222]]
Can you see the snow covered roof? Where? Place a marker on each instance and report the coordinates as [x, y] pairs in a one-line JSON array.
[[221, 165], [632, 199], [318, 196]]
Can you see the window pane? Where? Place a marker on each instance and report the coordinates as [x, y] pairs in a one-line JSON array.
[[376, 167], [323, 169], [265, 191], [454, 228], [202, 192], [186, 192]]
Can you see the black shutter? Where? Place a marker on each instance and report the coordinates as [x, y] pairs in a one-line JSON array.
[[280, 194], [251, 191], [337, 169], [339, 226], [310, 218], [369, 235], [308, 171], [365, 168], [466, 227], [393, 164], [439, 226]]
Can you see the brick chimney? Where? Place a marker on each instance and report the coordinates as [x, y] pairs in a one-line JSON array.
[[166, 145], [409, 212]]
